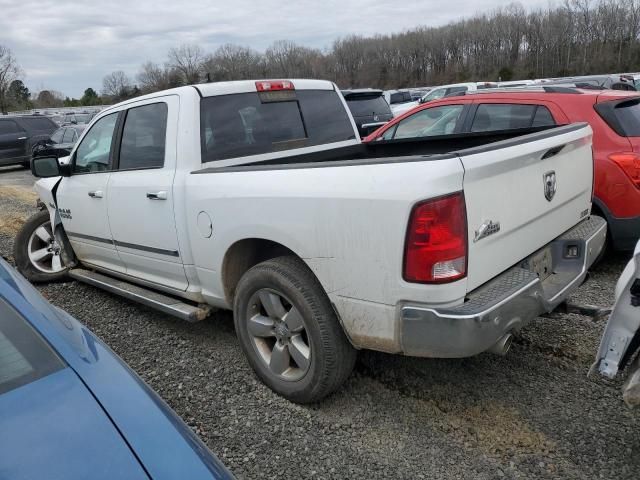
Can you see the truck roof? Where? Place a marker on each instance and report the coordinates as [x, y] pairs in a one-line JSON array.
[[248, 86], [227, 88]]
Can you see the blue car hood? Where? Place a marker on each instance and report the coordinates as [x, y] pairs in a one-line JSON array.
[[53, 428]]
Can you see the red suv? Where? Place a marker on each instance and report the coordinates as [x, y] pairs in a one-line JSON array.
[[613, 115]]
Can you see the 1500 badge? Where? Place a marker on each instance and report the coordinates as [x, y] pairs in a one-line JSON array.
[[486, 229]]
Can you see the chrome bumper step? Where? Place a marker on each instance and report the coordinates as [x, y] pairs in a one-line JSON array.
[[158, 301]]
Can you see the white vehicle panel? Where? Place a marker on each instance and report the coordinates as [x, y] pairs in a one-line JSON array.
[[507, 186], [147, 240], [85, 219]]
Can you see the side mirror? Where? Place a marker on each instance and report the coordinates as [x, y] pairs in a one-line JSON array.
[[421, 101], [45, 167]]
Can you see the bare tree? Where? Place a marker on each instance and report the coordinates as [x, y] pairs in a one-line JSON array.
[[187, 60], [9, 71], [153, 77], [116, 85], [572, 37]]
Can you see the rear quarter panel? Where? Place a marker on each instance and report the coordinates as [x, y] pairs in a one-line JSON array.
[[348, 223]]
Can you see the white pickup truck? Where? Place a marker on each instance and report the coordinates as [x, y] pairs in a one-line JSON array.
[[259, 197]]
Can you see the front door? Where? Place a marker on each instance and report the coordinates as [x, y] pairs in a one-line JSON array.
[[141, 200], [82, 197]]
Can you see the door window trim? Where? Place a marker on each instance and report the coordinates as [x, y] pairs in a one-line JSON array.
[[120, 130], [113, 138]]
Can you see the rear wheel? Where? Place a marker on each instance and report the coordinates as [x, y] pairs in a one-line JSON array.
[[36, 251], [289, 332]]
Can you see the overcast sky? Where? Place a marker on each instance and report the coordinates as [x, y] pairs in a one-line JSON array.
[[69, 45]]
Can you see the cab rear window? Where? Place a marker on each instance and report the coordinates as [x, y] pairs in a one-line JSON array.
[[244, 124]]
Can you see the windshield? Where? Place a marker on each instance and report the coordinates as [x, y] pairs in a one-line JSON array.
[[245, 124], [24, 355], [361, 106]]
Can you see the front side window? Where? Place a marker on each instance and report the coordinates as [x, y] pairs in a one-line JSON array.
[[144, 137], [246, 124], [93, 153], [430, 122]]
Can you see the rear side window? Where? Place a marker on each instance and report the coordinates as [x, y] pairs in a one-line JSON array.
[[38, 123], [9, 126], [144, 137], [624, 117], [452, 90], [362, 106], [24, 355], [68, 136], [245, 124], [543, 117], [505, 116]]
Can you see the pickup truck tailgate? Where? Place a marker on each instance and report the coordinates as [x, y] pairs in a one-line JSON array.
[[534, 187]]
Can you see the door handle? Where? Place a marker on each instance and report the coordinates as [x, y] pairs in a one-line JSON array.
[[22, 138], [96, 194], [552, 152], [161, 195]]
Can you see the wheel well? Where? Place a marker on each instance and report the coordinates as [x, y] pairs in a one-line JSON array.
[[243, 255]]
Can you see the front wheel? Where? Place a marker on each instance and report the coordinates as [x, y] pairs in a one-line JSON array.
[[36, 251], [289, 332]]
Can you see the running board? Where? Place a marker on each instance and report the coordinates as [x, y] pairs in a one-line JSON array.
[[155, 300]]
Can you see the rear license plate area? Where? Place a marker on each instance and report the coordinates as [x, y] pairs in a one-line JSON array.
[[541, 263]]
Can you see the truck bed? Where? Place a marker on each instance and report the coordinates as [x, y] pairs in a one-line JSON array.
[[404, 150]]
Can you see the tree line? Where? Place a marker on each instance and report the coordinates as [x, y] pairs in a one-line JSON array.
[[576, 37]]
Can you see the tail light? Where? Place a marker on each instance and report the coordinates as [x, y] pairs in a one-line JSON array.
[[629, 162], [273, 86], [436, 243]]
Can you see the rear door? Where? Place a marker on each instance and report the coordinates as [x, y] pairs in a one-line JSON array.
[[141, 196], [535, 187], [13, 141]]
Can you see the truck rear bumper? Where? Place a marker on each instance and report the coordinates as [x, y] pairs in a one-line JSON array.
[[507, 302]]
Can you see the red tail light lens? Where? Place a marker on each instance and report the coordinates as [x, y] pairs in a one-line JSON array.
[[436, 243], [273, 86], [629, 162]]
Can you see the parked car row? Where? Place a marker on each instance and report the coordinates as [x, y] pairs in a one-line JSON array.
[[18, 136], [614, 117]]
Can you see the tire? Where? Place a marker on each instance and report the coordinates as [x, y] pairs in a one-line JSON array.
[[28, 242], [304, 327]]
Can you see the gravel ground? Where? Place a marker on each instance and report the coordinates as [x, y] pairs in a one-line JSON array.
[[531, 414]]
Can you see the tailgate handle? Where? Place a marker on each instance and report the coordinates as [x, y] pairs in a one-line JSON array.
[[552, 152]]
